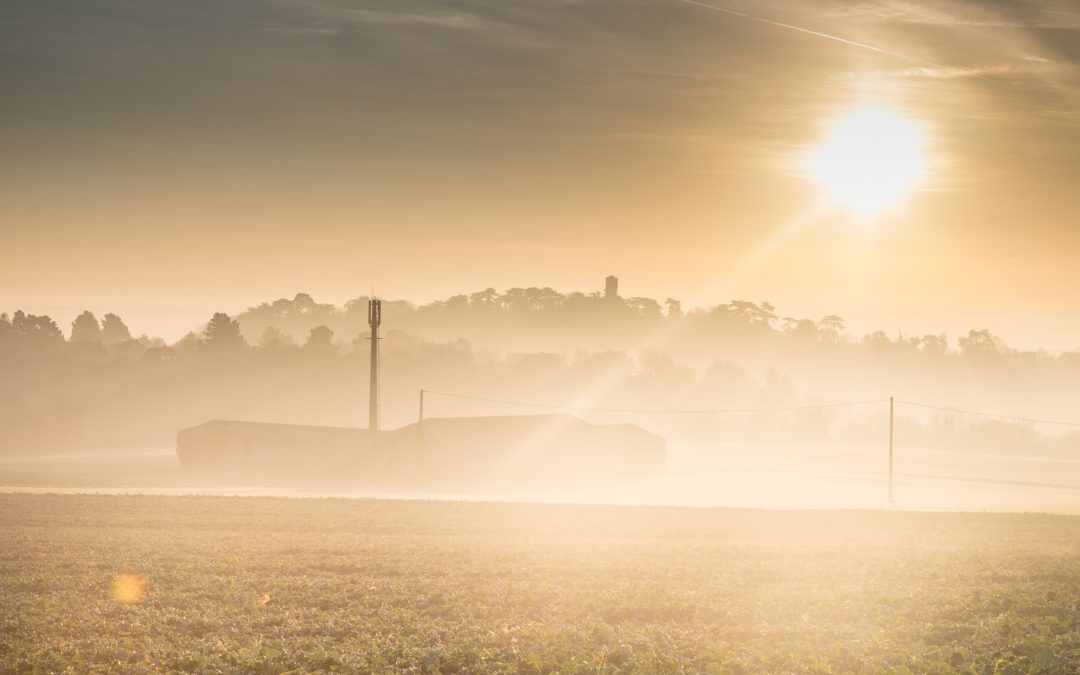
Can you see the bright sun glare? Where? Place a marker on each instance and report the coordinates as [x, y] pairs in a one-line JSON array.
[[870, 160]]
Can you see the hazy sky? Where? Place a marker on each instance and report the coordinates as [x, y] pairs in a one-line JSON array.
[[166, 159]]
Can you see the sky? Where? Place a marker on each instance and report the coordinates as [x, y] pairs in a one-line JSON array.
[[166, 159]]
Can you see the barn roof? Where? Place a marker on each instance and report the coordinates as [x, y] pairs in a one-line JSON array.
[[513, 424]]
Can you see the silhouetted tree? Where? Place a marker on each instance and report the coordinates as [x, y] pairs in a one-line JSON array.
[[646, 307], [321, 339], [223, 333], [752, 314], [113, 330], [878, 344], [273, 339], [935, 345], [293, 317], [303, 302], [458, 303], [36, 332], [488, 297], [981, 343], [189, 345], [85, 329], [831, 328]]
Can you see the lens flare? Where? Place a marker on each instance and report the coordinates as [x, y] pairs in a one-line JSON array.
[[128, 588]]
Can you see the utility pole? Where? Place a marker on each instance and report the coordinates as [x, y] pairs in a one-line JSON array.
[[420, 425], [374, 319], [891, 407]]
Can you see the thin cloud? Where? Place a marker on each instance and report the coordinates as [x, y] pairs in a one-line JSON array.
[[302, 31], [957, 14], [1028, 66], [807, 31], [434, 17]]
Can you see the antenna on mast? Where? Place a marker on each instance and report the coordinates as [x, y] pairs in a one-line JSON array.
[[374, 319]]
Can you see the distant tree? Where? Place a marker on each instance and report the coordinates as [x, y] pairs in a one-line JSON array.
[[7, 333], [295, 317], [488, 297], [85, 329], [878, 340], [516, 299], [547, 299], [357, 306], [591, 365], [188, 345], [673, 308], [982, 343], [656, 364], [273, 339], [579, 304], [831, 328], [801, 330], [745, 313], [36, 332], [457, 303], [936, 345], [151, 342], [223, 333], [757, 315], [113, 330], [726, 382], [646, 307], [321, 339], [158, 355], [303, 303], [778, 388]]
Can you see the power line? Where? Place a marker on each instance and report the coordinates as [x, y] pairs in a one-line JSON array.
[[551, 406], [986, 414], [708, 411]]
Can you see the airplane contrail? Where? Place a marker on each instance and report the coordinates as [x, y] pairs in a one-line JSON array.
[[834, 38]]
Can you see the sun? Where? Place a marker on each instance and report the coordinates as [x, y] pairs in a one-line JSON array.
[[870, 160]]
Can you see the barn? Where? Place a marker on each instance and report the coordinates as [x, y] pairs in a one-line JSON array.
[[542, 448], [263, 446], [524, 448]]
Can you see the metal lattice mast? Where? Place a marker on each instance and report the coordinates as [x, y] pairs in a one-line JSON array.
[[374, 319]]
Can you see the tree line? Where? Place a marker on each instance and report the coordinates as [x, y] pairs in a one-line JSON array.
[[298, 360]]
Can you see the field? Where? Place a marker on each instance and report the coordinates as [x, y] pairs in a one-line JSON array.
[[718, 475], [226, 584]]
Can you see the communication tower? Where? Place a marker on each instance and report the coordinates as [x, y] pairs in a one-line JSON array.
[[374, 319]]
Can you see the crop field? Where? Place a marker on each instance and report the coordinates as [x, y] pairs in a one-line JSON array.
[[227, 584], [700, 475]]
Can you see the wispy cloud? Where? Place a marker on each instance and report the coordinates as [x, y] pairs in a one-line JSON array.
[[301, 31], [985, 14], [1033, 66], [457, 20], [807, 31]]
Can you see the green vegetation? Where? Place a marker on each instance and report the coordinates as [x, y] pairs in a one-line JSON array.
[[271, 585]]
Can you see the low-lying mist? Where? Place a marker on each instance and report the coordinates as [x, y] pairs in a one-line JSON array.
[[610, 359]]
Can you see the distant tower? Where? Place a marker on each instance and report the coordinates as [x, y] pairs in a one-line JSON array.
[[611, 287], [374, 319]]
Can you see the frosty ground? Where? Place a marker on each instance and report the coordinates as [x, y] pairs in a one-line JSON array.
[[278, 584]]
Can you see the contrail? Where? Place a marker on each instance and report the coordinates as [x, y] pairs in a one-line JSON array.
[[834, 38]]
